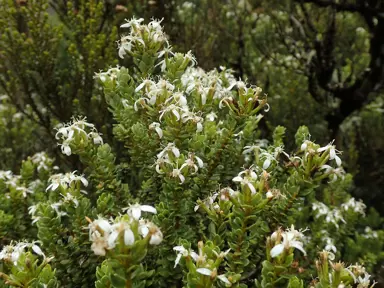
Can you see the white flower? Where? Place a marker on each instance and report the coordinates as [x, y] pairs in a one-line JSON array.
[[335, 172], [166, 50], [179, 98], [56, 206], [356, 206], [24, 190], [104, 235], [182, 252], [67, 132], [42, 160], [160, 162], [189, 56], [305, 144], [225, 101], [268, 158], [156, 127], [246, 180], [364, 282], [177, 173], [13, 252], [330, 245], [65, 180], [210, 273], [208, 201], [171, 108], [70, 198], [204, 271], [6, 175], [332, 152], [146, 227], [132, 23], [369, 233], [321, 209], [147, 84], [66, 149], [96, 138], [269, 195], [291, 239], [332, 216], [111, 74], [171, 147], [136, 209], [102, 224], [211, 116], [190, 116], [129, 237], [190, 162], [224, 279], [99, 244]]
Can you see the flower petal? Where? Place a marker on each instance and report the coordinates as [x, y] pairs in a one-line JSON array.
[[224, 279], [338, 160], [237, 179], [136, 212], [298, 245], [129, 237], [277, 250], [37, 250], [204, 271], [112, 238], [148, 208], [194, 255], [252, 188], [178, 258], [266, 164], [156, 238]]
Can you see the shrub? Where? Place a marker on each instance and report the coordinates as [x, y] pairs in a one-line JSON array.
[[220, 204]]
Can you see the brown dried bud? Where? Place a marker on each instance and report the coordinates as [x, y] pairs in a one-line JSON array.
[[295, 264]]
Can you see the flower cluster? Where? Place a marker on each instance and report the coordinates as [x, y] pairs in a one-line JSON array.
[[140, 36], [333, 216], [65, 180], [126, 230], [42, 161], [11, 253], [77, 130], [204, 264], [286, 240], [169, 160]]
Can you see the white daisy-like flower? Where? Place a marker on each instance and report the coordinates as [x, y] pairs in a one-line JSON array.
[[182, 252], [191, 163], [146, 227], [176, 173], [136, 209], [356, 206], [291, 239], [332, 152], [245, 178], [213, 273], [156, 126]]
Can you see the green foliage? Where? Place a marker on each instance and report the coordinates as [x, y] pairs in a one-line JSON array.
[[48, 62]]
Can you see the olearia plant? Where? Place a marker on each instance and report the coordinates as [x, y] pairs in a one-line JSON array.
[[217, 199]]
